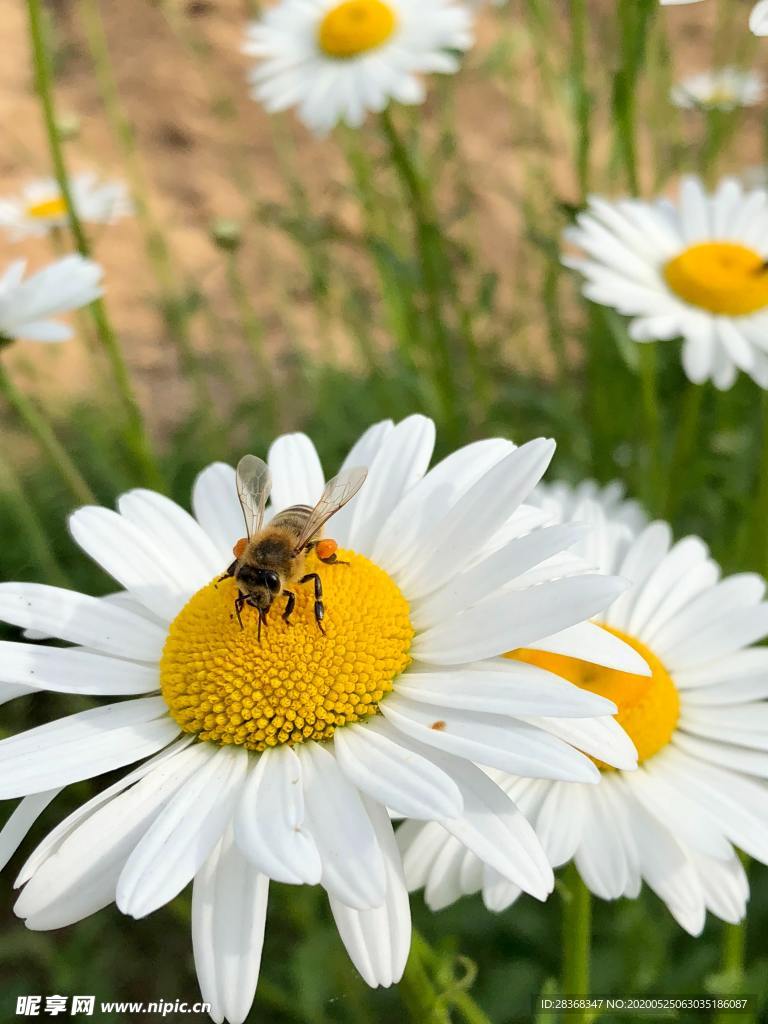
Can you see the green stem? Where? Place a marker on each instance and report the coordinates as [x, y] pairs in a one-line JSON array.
[[427, 998], [172, 298], [433, 263], [254, 334], [651, 481], [43, 432], [685, 442], [581, 98], [37, 538], [576, 938], [137, 437]]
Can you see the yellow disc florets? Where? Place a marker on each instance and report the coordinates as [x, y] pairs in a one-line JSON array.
[[47, 209], [721, 277], [297, 684], [649, 706], [354, 27]]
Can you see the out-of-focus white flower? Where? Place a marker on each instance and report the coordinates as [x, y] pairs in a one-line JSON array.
[[725, 89], [337, 61], [758, 19], [27, 306], [696, 268], [40, 206]]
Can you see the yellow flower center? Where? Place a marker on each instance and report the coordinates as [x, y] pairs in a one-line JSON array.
[[722, 277], [47, 209], [649, 706], [297, 684], [355, 26]]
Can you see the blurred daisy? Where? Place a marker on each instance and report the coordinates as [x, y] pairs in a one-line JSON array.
[[699, 725], [337, 61], [280, 759], [695, 268], [758, 19], [725, 89], [27, 306], [41, 207]]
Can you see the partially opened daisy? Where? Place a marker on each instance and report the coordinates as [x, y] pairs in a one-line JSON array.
[[699, 725], [41, 207], [724, 89], [27, 306], [283, 758], [336, 61], [696, 268]]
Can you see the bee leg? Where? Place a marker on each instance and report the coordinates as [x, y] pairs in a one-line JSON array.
[[262, 620], [319, 606], [239, 602], [332, 560], [290, 604], [230, 572]]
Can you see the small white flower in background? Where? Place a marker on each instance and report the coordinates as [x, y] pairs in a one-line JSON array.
[[694, 268], [338, 61], [28, 305], [279, 759], [758, 19], [41, 207], [699, 724], [725, 89]]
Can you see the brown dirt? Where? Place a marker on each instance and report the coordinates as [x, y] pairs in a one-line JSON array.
[[207, 151]]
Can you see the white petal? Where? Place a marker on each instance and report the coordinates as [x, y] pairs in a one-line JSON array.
[[229, 906], [408, 783], [457, 538], [427, 502], [378, 940], [590, 642], [354, 870], [560, 820], [269, 820], [602, 738], [503, 687], [216, 507], [21, 821], [510, 619], [401, 460], [498, 742], [80, 619], [80, 876], [129, 555], [184, 833], [297, 475], [63, 670], [83, 745]]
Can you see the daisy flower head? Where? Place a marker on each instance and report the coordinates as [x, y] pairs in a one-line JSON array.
[[41, 207], [336, 61], [281, 757], [724, 89], [695, 268], [27, 306], [698, 723]]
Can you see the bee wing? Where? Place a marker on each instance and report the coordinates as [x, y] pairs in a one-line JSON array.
[[254, 482], [337, 493]]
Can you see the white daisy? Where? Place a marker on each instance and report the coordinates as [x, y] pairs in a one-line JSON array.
[[724, 89], [27, 306], [758, 19], [336, 61], [695, 268], [280, 759], [699, 725], [40, 207]]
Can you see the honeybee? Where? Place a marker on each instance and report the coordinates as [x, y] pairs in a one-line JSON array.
[[270, 559]]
